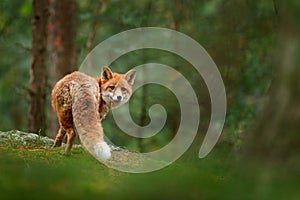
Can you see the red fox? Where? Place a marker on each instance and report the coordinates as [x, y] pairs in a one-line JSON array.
[[81, 102]]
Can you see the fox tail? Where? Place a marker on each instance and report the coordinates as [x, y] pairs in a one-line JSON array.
[[87, 123]]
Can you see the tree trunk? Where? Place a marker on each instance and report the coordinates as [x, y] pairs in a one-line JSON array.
[[62, 38], [38, 69], [277, 136], [62, 29]]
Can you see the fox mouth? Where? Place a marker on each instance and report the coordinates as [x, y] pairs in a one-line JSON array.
[[109, 98], [116, 100]]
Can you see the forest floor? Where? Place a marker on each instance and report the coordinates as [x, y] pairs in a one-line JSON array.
[[30, 169]]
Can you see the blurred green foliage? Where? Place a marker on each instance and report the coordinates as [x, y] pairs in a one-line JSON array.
[[239, 35], [15, 38]]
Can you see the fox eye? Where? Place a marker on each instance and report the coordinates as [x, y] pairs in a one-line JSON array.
[[111, 87], [123, 89]]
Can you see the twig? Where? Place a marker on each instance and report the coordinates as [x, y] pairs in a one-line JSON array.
[[26, 48], [275, 7]]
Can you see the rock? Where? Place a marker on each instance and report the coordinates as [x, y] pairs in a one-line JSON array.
[[16, 137]]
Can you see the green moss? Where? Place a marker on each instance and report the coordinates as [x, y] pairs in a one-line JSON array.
[[38, 172]]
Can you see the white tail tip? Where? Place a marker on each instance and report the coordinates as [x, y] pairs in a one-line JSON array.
[[102, 151]]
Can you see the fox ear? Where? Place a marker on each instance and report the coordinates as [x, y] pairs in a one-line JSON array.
[[106, 73], [130, 76]]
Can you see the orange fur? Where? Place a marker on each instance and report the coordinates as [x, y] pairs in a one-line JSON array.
[[81, 102]]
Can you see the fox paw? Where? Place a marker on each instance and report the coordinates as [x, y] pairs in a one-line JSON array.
[[102, 151]]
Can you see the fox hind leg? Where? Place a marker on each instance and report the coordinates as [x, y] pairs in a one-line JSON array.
[[59, 137], [70, 140]]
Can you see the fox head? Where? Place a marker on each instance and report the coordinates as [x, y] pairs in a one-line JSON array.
[[116, 88]]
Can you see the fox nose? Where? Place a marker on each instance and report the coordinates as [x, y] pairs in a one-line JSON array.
[[119, 98]]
